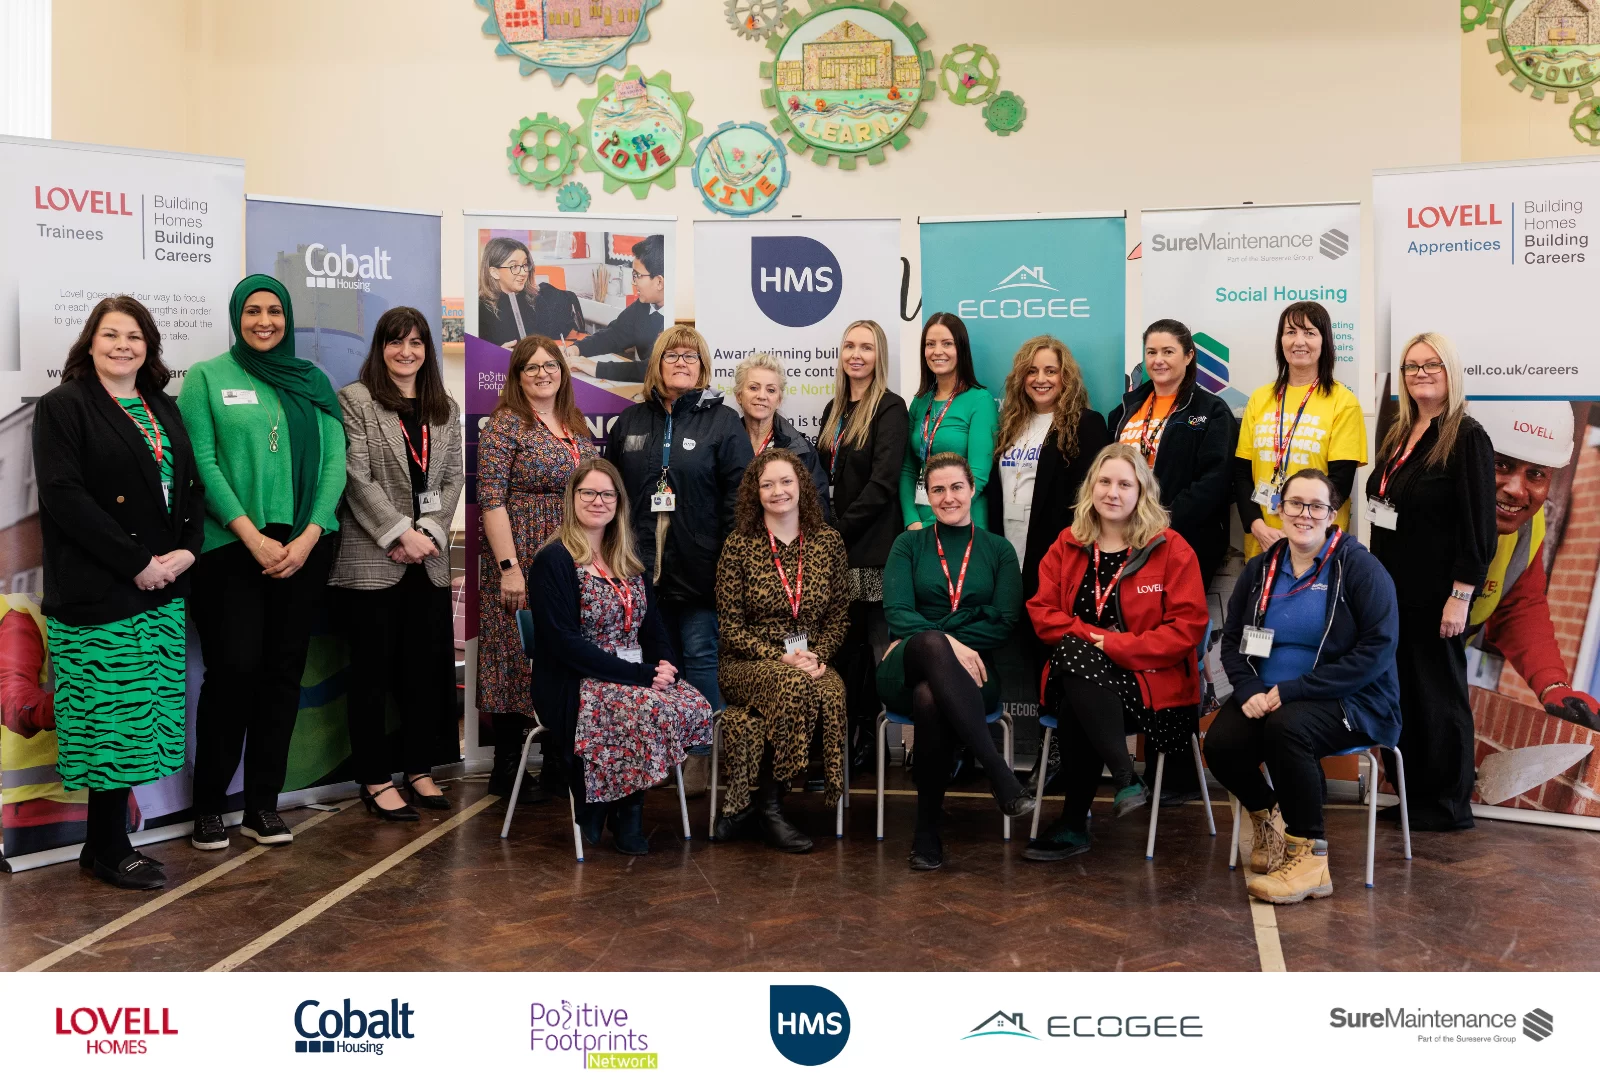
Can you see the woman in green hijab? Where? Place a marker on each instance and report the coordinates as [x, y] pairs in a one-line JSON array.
[[269, 445]]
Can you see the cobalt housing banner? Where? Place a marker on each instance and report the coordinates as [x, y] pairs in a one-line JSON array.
[[1497, 257], [789, 288], [1227, 273]]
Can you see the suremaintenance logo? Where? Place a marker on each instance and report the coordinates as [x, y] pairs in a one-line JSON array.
[[1458, 1027], [1219, 241]]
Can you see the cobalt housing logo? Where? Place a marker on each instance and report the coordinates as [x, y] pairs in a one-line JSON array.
[[1001, 1022], [795, 280], [113, 1031], [1028, 304], [344, 269], [809, 1024], [350, 1031]]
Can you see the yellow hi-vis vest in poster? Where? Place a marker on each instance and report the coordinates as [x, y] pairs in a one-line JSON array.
[[1512, 555], [28, 765]]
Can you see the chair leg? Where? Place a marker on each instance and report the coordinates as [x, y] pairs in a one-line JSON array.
[[1233, 844], [683, 802], [1038, 791], [1372, 812], [1155, 808], [1005, 731], [1205, 789], [883, 750], [716, 748], [516, 785], [844, 796], [577, 830], [1400, 786]]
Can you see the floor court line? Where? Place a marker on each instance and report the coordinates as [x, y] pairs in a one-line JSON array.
[[372, 873]]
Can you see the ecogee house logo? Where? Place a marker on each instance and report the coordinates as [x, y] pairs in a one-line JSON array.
[[795, 280], [1022, 298], [1334, 244], [344, 269], [809, 1024], [1001, 1022], [343, 1029]]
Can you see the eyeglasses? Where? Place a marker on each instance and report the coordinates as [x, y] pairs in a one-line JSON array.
[[1315, 510], [684, 358], [637, 277], [1431, 367], [549, 367], [590, 495], [518, 269]]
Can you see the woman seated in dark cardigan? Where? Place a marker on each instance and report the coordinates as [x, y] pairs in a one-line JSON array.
[[604, 680]]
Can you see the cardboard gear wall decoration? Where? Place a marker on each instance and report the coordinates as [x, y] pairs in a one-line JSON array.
[[755, 19], [637, 131], [542, 151], [567, 37], [848, 78], [573, 198], [1548, 46], [969, 74], [741, 169]]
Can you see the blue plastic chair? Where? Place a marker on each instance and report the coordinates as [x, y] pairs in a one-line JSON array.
[[885, 718], [1370, 753]]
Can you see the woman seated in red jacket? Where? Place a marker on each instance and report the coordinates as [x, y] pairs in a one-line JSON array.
[[1122, 606]]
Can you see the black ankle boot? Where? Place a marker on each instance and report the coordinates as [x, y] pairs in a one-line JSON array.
[[775, 828], [627, 826], [591, 818], [503, 776], [740, 826]]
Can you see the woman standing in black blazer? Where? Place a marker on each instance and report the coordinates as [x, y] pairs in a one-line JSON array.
[[122, 516], [861, 442]]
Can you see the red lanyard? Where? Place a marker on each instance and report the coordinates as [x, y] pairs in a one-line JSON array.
[[624, 594], [570, 443], [152, 436], [768, 440], [1396, 463], [799, 570], [1316, 571], [1102, 598], [1150, 436], [422, 462], [927, 436], [954, 587], [1281, 446]]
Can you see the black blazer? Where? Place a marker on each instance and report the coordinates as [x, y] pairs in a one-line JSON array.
[[501, 327], [563, 657], [100, 507], [1055, 493], [1194, 465], [866, 495]]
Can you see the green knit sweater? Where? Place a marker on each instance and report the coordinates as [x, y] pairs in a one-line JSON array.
[[242, 476], [967, 429]]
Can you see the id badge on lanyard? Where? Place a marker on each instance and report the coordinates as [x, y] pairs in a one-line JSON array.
[[663, 501], [1383, 514], [795, 643], [922, 493], [1257, 641], [1266, 496]]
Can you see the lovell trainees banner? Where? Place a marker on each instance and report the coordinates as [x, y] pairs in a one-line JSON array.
[[789, 288], [1228, 272], [602, 287], [1012, 278], [1494, 257], [78, 223]]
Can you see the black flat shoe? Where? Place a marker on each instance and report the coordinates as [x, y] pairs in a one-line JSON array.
[[132, 871], [928, 859], [370, 800], [86, 858], [1022, 804], [430, 802]]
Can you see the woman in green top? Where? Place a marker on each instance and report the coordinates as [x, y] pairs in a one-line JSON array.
[[268, 438], [950, 593], [951, 414]]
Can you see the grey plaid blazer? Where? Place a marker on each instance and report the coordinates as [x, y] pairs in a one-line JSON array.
[[377, 506]]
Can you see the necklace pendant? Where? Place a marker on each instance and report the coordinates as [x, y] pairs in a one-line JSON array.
[[272, 439]]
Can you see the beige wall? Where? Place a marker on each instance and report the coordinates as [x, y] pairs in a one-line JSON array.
[[403, 103]]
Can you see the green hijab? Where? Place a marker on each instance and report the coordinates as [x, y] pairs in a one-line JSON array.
[[301, 386]]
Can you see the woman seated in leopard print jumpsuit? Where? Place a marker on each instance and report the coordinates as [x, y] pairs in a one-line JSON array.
[[783, 602]]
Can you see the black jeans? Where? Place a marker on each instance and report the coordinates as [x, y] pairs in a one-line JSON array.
[[107, 836], [254, 633], [402, 640], [1292, 742], [1437, 739], [947, 711]]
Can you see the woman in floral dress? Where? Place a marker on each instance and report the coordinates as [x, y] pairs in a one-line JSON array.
[[526, 452], [605, 679]]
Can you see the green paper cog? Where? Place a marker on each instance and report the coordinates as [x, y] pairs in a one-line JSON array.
[[1005, 113], [1585, 122], [573, 198], [617, 129], [542, 151], [969, 74]]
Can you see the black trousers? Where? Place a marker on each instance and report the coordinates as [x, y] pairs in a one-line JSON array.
[[254, 633], [107, 822], [402, 640], [947, 712], [1093, 728], [1292, 741], [1436, 738]]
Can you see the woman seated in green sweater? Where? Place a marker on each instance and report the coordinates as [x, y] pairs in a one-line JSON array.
[[951, 414], [950, 593], [268, 439]]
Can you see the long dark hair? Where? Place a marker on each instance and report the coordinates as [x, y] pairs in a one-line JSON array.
[[966, 377], [1305, 313], [748, 516], [432, 402], [152, 377], [1186, 343]]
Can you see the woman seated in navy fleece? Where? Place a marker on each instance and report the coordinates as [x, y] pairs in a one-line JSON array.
[[1309, 647]]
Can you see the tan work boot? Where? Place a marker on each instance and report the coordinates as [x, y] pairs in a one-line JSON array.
[[1266, 845], [1302, 874]]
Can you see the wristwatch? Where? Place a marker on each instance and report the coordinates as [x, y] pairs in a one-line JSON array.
[[507, 564], [1458, 594]]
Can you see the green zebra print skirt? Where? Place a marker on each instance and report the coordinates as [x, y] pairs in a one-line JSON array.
[[119, 699]]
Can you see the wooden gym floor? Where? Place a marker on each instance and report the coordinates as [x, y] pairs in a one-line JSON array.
[[447, 893]]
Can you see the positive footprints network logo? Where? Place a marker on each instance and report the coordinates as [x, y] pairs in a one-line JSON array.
[[809, 1024]]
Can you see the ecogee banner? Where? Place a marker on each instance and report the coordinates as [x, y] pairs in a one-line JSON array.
[[789, 288], [1227, 273], [1012, 278]]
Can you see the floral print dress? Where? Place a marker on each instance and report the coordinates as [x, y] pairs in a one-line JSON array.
[[523, 468], [629, 737]]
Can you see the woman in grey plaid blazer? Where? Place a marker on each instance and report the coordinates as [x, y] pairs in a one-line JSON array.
[[392, 577]]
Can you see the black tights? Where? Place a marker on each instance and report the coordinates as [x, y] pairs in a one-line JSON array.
[[1093, 734], [947, 711], [108, 825]]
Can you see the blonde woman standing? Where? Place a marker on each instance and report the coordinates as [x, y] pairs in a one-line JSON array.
[[758, 386]]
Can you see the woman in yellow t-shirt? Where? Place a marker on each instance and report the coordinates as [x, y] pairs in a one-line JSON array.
[[1301, 420]]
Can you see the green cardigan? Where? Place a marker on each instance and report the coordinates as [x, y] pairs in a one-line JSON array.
[[967, 429], [242, 477], [916, 597]]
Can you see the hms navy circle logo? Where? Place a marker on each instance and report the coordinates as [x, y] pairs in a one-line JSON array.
[[795, 280], [809, 1024]]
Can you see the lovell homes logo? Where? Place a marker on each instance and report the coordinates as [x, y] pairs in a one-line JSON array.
[[125, 1029]]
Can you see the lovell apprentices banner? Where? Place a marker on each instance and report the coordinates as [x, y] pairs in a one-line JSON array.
[[602, 287], [789, 289], [1012, 278], [1494, 257], [1227, 272]]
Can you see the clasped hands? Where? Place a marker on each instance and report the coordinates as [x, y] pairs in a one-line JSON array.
[[807, 661], [163, 570], [1260, 705], [414, 547]]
